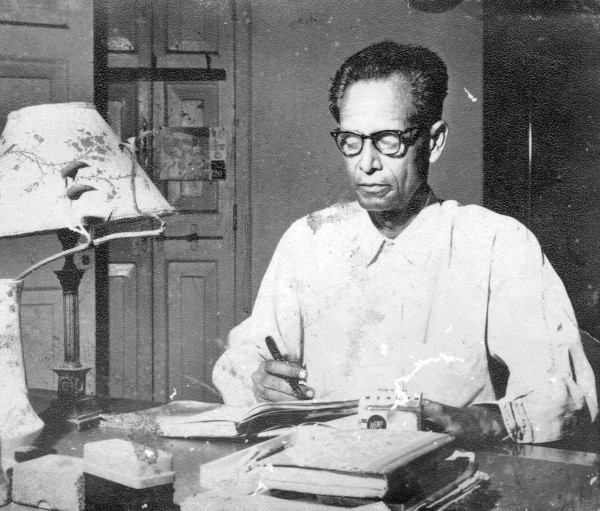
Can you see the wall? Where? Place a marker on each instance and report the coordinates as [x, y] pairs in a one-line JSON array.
[[46, 56], [296, 49]]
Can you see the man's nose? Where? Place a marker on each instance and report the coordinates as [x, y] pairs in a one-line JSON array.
[[369, 158]]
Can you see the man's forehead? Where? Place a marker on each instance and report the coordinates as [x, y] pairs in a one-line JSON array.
[[390, 96]]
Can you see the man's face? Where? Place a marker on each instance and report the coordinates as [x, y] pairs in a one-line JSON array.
[[382, 183]]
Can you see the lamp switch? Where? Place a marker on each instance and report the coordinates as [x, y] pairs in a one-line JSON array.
[[83, 260]]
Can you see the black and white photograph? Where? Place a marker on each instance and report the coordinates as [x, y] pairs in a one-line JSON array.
[[308, 255]]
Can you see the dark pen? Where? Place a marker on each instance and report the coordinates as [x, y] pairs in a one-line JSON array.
[[276, 354]]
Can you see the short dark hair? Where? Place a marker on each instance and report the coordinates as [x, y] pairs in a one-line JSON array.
[[424, 71]]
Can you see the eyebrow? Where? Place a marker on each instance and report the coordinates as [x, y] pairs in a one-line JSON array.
[[372, 132]]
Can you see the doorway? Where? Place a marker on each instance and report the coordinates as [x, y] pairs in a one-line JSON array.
[[166, 79]]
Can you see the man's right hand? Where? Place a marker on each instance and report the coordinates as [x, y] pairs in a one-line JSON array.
[[269, 383]]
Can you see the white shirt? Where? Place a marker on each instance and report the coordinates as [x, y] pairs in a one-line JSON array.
[[422, 311]]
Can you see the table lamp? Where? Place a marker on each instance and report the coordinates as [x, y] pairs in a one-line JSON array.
[[63, 170]]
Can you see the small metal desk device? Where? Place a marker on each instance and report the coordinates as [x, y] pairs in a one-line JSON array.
[[390, 409]]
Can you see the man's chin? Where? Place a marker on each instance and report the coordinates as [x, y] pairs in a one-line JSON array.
[[371, 204]]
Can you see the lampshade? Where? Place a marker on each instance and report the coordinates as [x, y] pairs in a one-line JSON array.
[[62, 166]]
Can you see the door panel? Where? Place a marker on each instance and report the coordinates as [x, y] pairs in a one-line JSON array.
[[130, 325], [42, 332], [192, 34], [25, 81], [194, 292], [122, 109], [123, 328], [130, 25], [191, 105], [192, 309]]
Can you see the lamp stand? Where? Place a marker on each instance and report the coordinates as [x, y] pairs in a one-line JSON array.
[[72, 405]]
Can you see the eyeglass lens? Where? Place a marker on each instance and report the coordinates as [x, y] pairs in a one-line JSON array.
[[387, 142]]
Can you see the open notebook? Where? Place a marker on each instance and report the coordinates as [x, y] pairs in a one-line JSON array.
[[190, 419]]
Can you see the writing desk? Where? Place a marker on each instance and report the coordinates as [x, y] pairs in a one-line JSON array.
[[522, 477]]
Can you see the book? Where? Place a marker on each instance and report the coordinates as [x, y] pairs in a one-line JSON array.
[[364, 464], [220, 502], [193, 419], [347, 468]]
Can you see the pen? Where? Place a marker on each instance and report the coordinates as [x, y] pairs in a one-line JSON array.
[[276, 354]]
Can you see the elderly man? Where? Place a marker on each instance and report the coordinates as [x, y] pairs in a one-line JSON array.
[[402, 289]]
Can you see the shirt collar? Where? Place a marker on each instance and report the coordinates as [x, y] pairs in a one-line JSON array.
[[414, 243]]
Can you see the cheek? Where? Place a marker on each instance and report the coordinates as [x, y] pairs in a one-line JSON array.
[[350, 167], [406, 173], [401, 174]]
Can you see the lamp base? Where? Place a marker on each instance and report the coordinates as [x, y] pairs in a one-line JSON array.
[[80, 413], [72, 406]]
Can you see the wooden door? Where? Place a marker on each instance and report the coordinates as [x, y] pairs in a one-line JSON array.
[[172, 300], [46, 56]]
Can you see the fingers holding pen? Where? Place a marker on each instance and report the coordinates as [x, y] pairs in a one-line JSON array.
[[292, 374], [285, 369], [269, 387], [270, 384], [265, 393]]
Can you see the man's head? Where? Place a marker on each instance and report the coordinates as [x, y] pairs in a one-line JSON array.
[[388, 102]]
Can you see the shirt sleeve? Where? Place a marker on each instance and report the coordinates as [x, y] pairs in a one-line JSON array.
[[532, 329], [276, 313]]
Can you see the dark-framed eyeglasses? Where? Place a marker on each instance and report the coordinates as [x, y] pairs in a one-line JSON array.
[[388, 142]]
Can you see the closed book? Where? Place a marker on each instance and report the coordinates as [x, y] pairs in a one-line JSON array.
[[366, 464]]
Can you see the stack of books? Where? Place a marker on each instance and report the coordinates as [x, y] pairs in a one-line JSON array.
[[408, 470]]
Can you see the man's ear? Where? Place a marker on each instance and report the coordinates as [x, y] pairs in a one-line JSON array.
[[438, 135]]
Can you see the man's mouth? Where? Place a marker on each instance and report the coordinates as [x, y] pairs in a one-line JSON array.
[[373, 188]]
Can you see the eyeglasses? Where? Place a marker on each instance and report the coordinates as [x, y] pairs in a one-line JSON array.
[[388, 142]]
